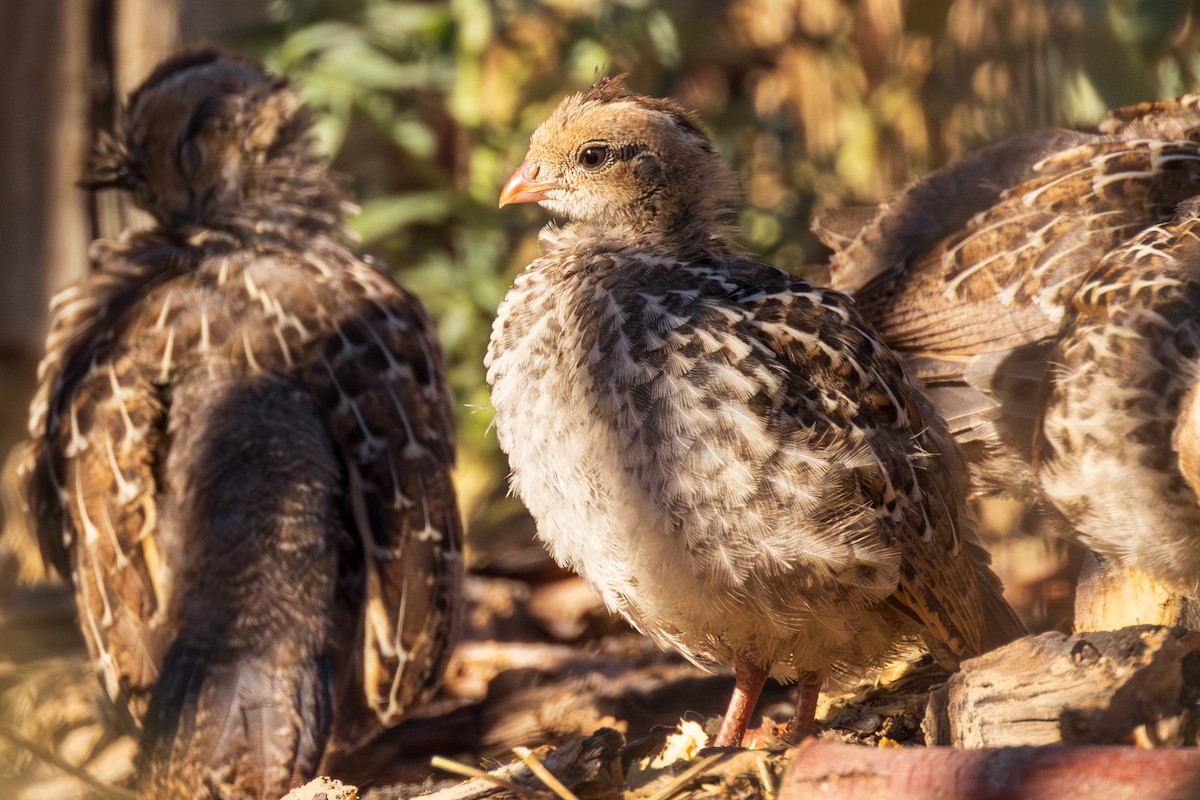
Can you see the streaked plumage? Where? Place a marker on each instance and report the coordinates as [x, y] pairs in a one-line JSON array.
[[1120, 448], [1042, 289], [968, 272], [724, 451], [241, 449]]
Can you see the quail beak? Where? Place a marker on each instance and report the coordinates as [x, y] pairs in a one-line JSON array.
[[524, 187]]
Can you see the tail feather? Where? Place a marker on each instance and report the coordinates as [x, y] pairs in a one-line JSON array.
[[250, 524], [220, 725]]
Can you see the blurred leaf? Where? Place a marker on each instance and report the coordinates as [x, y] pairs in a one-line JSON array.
[[662, 34], [414, 136], [588, 59], [384, 215], [316, 38], [400, 23]]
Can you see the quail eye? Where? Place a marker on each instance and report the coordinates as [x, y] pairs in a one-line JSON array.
[[593, 156]]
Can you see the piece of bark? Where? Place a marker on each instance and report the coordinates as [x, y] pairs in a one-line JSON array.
[[530, 707], [563, 609], [625, 683], [535, 693], [826, 770], [1110, 596], [497, 609], [1099, 688]]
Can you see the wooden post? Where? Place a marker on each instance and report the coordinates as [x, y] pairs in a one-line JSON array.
[[1110, 596]]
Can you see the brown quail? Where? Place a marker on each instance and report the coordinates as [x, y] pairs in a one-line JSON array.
[[1019, 283], [1121, 430], [241, 449], [727, 453]]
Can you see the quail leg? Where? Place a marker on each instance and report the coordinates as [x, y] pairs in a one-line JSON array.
[[806, 706], [748, 680]]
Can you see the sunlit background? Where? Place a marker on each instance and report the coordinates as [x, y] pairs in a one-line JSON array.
[[428, 107]]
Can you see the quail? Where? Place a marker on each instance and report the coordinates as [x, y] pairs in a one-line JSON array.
[[1120, 445], [727, 453], [1014, 283], [241, 449]]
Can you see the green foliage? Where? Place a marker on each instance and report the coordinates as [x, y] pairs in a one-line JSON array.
[[428, 107]]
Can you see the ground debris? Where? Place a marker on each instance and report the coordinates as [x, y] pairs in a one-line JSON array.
[[589, 767], [575, 686], [323, 788]]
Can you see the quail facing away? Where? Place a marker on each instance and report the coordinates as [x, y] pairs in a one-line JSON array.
[[241, 449], [725, 452], [1019, 284]]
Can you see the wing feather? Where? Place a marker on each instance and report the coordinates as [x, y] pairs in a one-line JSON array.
[[973, 268], [89, 472], [391, 418], [780, 435]]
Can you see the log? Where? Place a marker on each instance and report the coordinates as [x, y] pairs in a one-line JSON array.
[[1110, 596], [828, 770], [1135, 684]]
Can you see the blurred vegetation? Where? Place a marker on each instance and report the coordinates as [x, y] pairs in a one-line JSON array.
[[428, 107]]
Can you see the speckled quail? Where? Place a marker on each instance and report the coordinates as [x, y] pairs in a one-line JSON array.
[[727, 453], [1021, 285], [1120, 454], [241, 449]]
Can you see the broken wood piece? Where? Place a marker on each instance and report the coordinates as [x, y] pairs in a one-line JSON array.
[[528, 707], [828, 770], [1105, 687], [1110, 596]]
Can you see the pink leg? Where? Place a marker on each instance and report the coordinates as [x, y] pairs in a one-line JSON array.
[[748, 680], [806, 706]]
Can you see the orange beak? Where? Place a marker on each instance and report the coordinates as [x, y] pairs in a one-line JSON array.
[[523, 186]]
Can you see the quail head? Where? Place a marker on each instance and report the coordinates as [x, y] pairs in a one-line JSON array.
[[728, 454], [1020, 283], [241, 447]]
